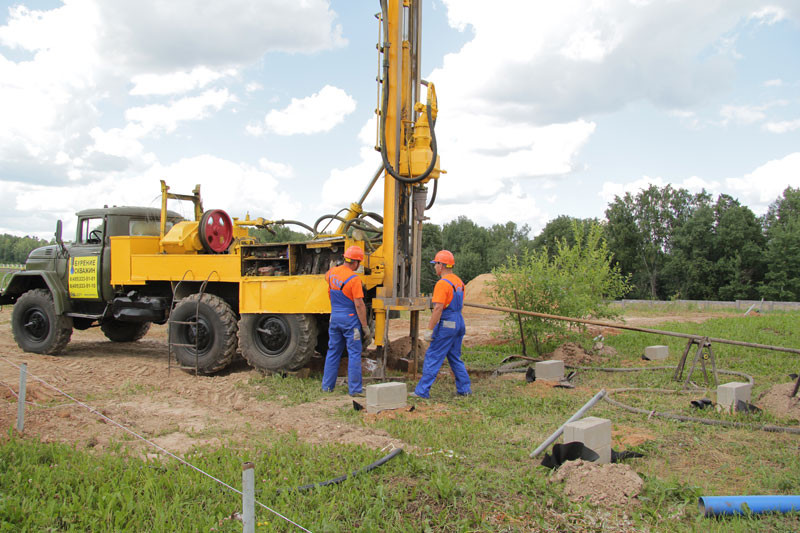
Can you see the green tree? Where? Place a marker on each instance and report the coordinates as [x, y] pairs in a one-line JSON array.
[[558, 229], [782, 223], [577, 282], [279, 233], [640, 231]]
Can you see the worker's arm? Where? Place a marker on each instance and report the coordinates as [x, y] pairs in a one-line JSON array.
[[436, 315], [361, 310]]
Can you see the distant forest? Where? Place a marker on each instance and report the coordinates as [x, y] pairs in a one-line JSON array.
[[671, 243]]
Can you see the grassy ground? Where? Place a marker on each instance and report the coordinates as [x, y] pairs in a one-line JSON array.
[[471, 471]]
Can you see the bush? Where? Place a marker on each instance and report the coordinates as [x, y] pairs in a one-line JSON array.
[[576, 282]]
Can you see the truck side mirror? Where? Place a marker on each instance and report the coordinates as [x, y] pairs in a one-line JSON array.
[[59, 241]]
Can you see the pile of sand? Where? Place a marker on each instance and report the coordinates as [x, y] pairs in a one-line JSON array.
[[777, 401], [609, 484], [573, 354], [479, 291]]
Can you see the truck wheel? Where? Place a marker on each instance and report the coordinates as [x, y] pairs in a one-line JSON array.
[[204, 332], [36, 326], [276, 341], [118, 331]]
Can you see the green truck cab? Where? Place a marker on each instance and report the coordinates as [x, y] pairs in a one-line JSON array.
[[68, 285]]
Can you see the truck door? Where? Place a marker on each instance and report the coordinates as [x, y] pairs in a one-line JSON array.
[[85, 262]]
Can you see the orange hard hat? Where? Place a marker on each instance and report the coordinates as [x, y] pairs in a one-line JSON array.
[[354, 253], [444, 257]]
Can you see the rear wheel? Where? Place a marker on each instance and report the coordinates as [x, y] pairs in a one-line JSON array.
[[277, 342], [118, 331], [202, 331], [36, 326]]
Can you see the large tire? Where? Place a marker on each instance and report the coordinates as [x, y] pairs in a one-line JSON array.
[[118, 331], [214, 321], [277, 342], [36, 326]]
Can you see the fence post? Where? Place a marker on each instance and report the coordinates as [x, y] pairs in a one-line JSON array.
[[23, 370], [248, 498]]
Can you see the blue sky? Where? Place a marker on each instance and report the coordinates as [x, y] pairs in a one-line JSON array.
[[546, 108]]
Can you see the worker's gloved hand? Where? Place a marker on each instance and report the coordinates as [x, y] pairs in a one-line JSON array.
[[428, 335], [366, 337]]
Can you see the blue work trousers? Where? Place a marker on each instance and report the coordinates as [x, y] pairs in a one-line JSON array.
[[340, 335], [446, 343]]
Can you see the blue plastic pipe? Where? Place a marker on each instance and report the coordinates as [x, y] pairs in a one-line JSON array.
[[738, 505]]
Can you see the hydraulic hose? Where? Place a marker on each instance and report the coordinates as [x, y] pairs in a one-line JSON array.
[[433, 196], [339, 479], [682, 418], [384, 104], [294, 222]]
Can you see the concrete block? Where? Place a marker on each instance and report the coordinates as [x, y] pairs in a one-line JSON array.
[[549, 370], [385, 396], [656, 353], [593, 432], [729, 393], [605, 455]]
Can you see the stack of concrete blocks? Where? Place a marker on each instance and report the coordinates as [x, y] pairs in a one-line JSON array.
[[656, 353], [549, 370], [384, 396], [594, 433], [729, 394]]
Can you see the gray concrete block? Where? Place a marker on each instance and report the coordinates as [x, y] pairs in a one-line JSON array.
[[656, 353], [383, 396], [605, 455], [549, 370], [593, 432], [729, 393]]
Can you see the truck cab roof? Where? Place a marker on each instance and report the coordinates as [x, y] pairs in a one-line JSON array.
[[131, 211]]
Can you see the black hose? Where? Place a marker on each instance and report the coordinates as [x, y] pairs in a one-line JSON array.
[[339, 479], [433, 196], [294, 222], [385, 101]]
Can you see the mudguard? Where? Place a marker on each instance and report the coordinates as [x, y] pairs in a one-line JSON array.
[[26, 280]]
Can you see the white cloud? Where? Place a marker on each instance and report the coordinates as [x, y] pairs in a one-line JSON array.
[[784, 126], [176, 82], [742, 114], [769, 15], [693, 184], [158, 117], [766, 183], [774, 83], [317, 113]]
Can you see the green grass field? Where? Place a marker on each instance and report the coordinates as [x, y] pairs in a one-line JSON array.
[[472, 471]]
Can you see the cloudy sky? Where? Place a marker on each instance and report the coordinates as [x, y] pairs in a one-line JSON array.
[[546, 108]]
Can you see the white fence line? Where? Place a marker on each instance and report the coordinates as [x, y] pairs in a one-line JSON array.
[[739, 305]]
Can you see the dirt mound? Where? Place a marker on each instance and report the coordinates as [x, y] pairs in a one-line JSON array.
[[777, 401], [478, 291], [574, 354], [609, 484]]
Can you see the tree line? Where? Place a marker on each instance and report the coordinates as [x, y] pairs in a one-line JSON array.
[[668, 242]]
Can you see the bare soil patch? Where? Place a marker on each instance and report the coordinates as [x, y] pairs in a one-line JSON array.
[[776, 400], [609, 484], [131, 384]]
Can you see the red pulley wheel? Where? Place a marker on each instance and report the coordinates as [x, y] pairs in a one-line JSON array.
[[216, 231]]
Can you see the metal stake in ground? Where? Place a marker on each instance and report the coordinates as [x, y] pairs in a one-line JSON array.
[[23, 370], [248, 498]]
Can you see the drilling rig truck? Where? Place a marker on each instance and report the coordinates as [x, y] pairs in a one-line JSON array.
[[218, 289]]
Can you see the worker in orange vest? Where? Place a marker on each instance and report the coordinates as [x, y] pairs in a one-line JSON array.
[[348, 324], [445, 329]]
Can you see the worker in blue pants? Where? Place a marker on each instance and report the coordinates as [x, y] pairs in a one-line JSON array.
[[348, 324], [445, 329]]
